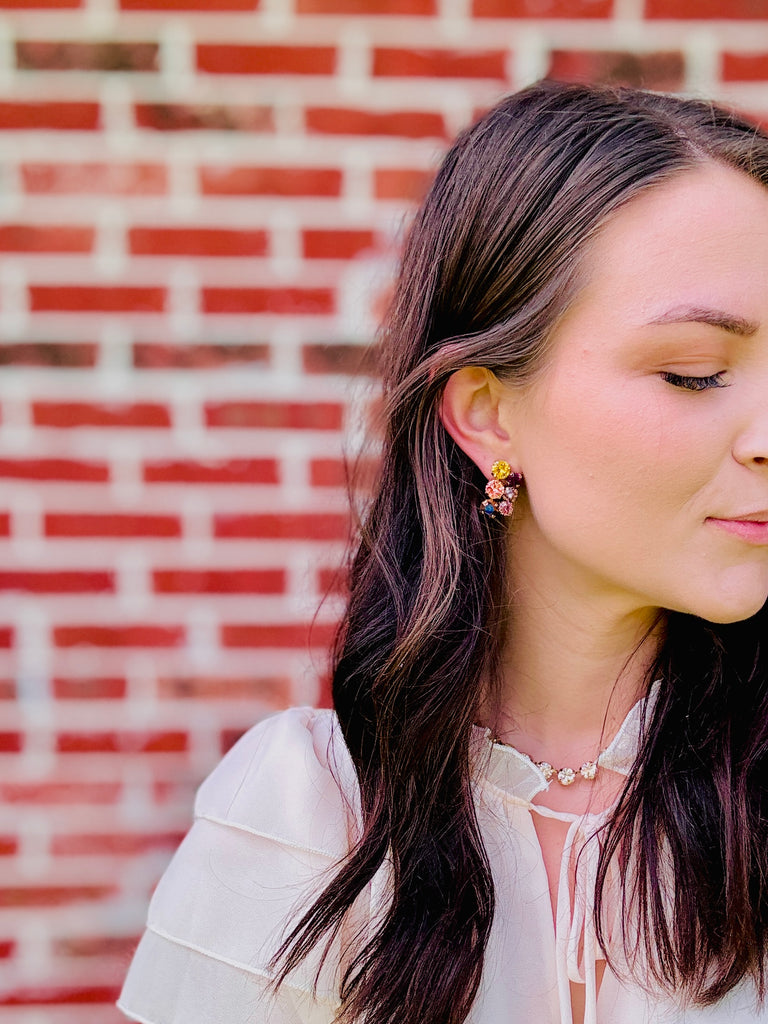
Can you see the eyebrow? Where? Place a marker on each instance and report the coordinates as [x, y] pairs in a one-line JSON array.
[[715, 317]]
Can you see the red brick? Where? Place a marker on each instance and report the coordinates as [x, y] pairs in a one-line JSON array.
[[149, 355], [6, 637], [54, 469], [178, 117], [366, 7], [325, 697], [662, 70], [543, 8], [5, 524], [7, 948], [89, 298], [270, 181], [50, 896], [744, 67], [274, 690], [94, 178], [294, 635], [344, 244], [118, 636], [10, 742], [113, 844], [224, 59], [233, 471], [170, 791], [82, 56], [105, 688], [399, 62], [58, 582], [88, 414], [338, 358], [196, 242], [8, 846], [121, 742], [331, 581], [58, 793], [285, 526], [327, 473], [275, 415], [49, 115], [228, 738], [401, 183], [34, 238], [218, 581], [83, 946], [59, 996], [409, 124], [190, 5], [40, 4], [268, 300], [703, 9], [45, 353], [115, 524]]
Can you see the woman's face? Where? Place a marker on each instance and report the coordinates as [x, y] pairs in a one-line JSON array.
[[644, 443]]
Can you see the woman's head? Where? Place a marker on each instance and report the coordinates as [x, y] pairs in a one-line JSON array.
[[562, 196]]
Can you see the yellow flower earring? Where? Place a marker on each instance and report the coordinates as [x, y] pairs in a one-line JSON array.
[[501, 490]]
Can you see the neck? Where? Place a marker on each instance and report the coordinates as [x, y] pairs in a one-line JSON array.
[[574, 665]]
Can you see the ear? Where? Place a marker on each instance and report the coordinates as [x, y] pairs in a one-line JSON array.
[[473, 413]]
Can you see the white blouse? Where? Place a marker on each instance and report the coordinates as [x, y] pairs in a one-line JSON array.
[[272, 821]]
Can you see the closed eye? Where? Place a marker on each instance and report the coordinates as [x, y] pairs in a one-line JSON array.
[[695, 383]]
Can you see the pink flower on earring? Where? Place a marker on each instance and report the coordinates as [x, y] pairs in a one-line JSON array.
[[501, 490]]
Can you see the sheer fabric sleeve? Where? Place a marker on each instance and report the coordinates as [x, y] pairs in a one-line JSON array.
[[271, 824]]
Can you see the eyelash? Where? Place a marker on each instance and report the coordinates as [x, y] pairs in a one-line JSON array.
[[695, 383]]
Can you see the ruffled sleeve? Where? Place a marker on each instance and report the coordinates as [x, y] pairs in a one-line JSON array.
[[271, 824]]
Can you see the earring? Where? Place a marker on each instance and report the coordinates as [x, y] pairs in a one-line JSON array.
[[501, 490]]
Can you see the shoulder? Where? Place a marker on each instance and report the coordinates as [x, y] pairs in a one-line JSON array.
[[291, 774], [272, 822]]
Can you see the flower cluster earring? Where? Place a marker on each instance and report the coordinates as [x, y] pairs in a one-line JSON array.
[[501, 490]]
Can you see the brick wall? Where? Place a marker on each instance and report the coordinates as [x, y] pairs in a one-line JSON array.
[[199, 205]]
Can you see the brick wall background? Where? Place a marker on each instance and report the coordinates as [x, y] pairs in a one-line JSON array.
[[199, 205]]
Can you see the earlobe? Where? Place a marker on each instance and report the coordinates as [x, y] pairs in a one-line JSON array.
[[471, 413]]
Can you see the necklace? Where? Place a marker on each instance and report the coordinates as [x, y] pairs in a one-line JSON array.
[[565, 776]]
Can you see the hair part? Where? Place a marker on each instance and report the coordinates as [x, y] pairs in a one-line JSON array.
[[491, 263]]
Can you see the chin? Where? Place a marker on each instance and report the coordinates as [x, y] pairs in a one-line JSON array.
[[725, 612], [735, 593]]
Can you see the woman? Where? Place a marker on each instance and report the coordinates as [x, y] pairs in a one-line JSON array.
[[542, 796]]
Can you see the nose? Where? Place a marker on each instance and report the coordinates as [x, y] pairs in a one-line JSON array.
[[751, 445]]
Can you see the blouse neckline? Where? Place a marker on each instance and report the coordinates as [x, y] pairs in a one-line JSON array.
[[514, 772]]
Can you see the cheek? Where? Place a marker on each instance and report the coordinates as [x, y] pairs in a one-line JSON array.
[[616, 454]]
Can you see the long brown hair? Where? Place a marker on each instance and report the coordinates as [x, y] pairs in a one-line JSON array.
[[490, 264]]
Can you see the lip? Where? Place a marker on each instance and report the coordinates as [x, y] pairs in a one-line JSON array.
[[752, 528]]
